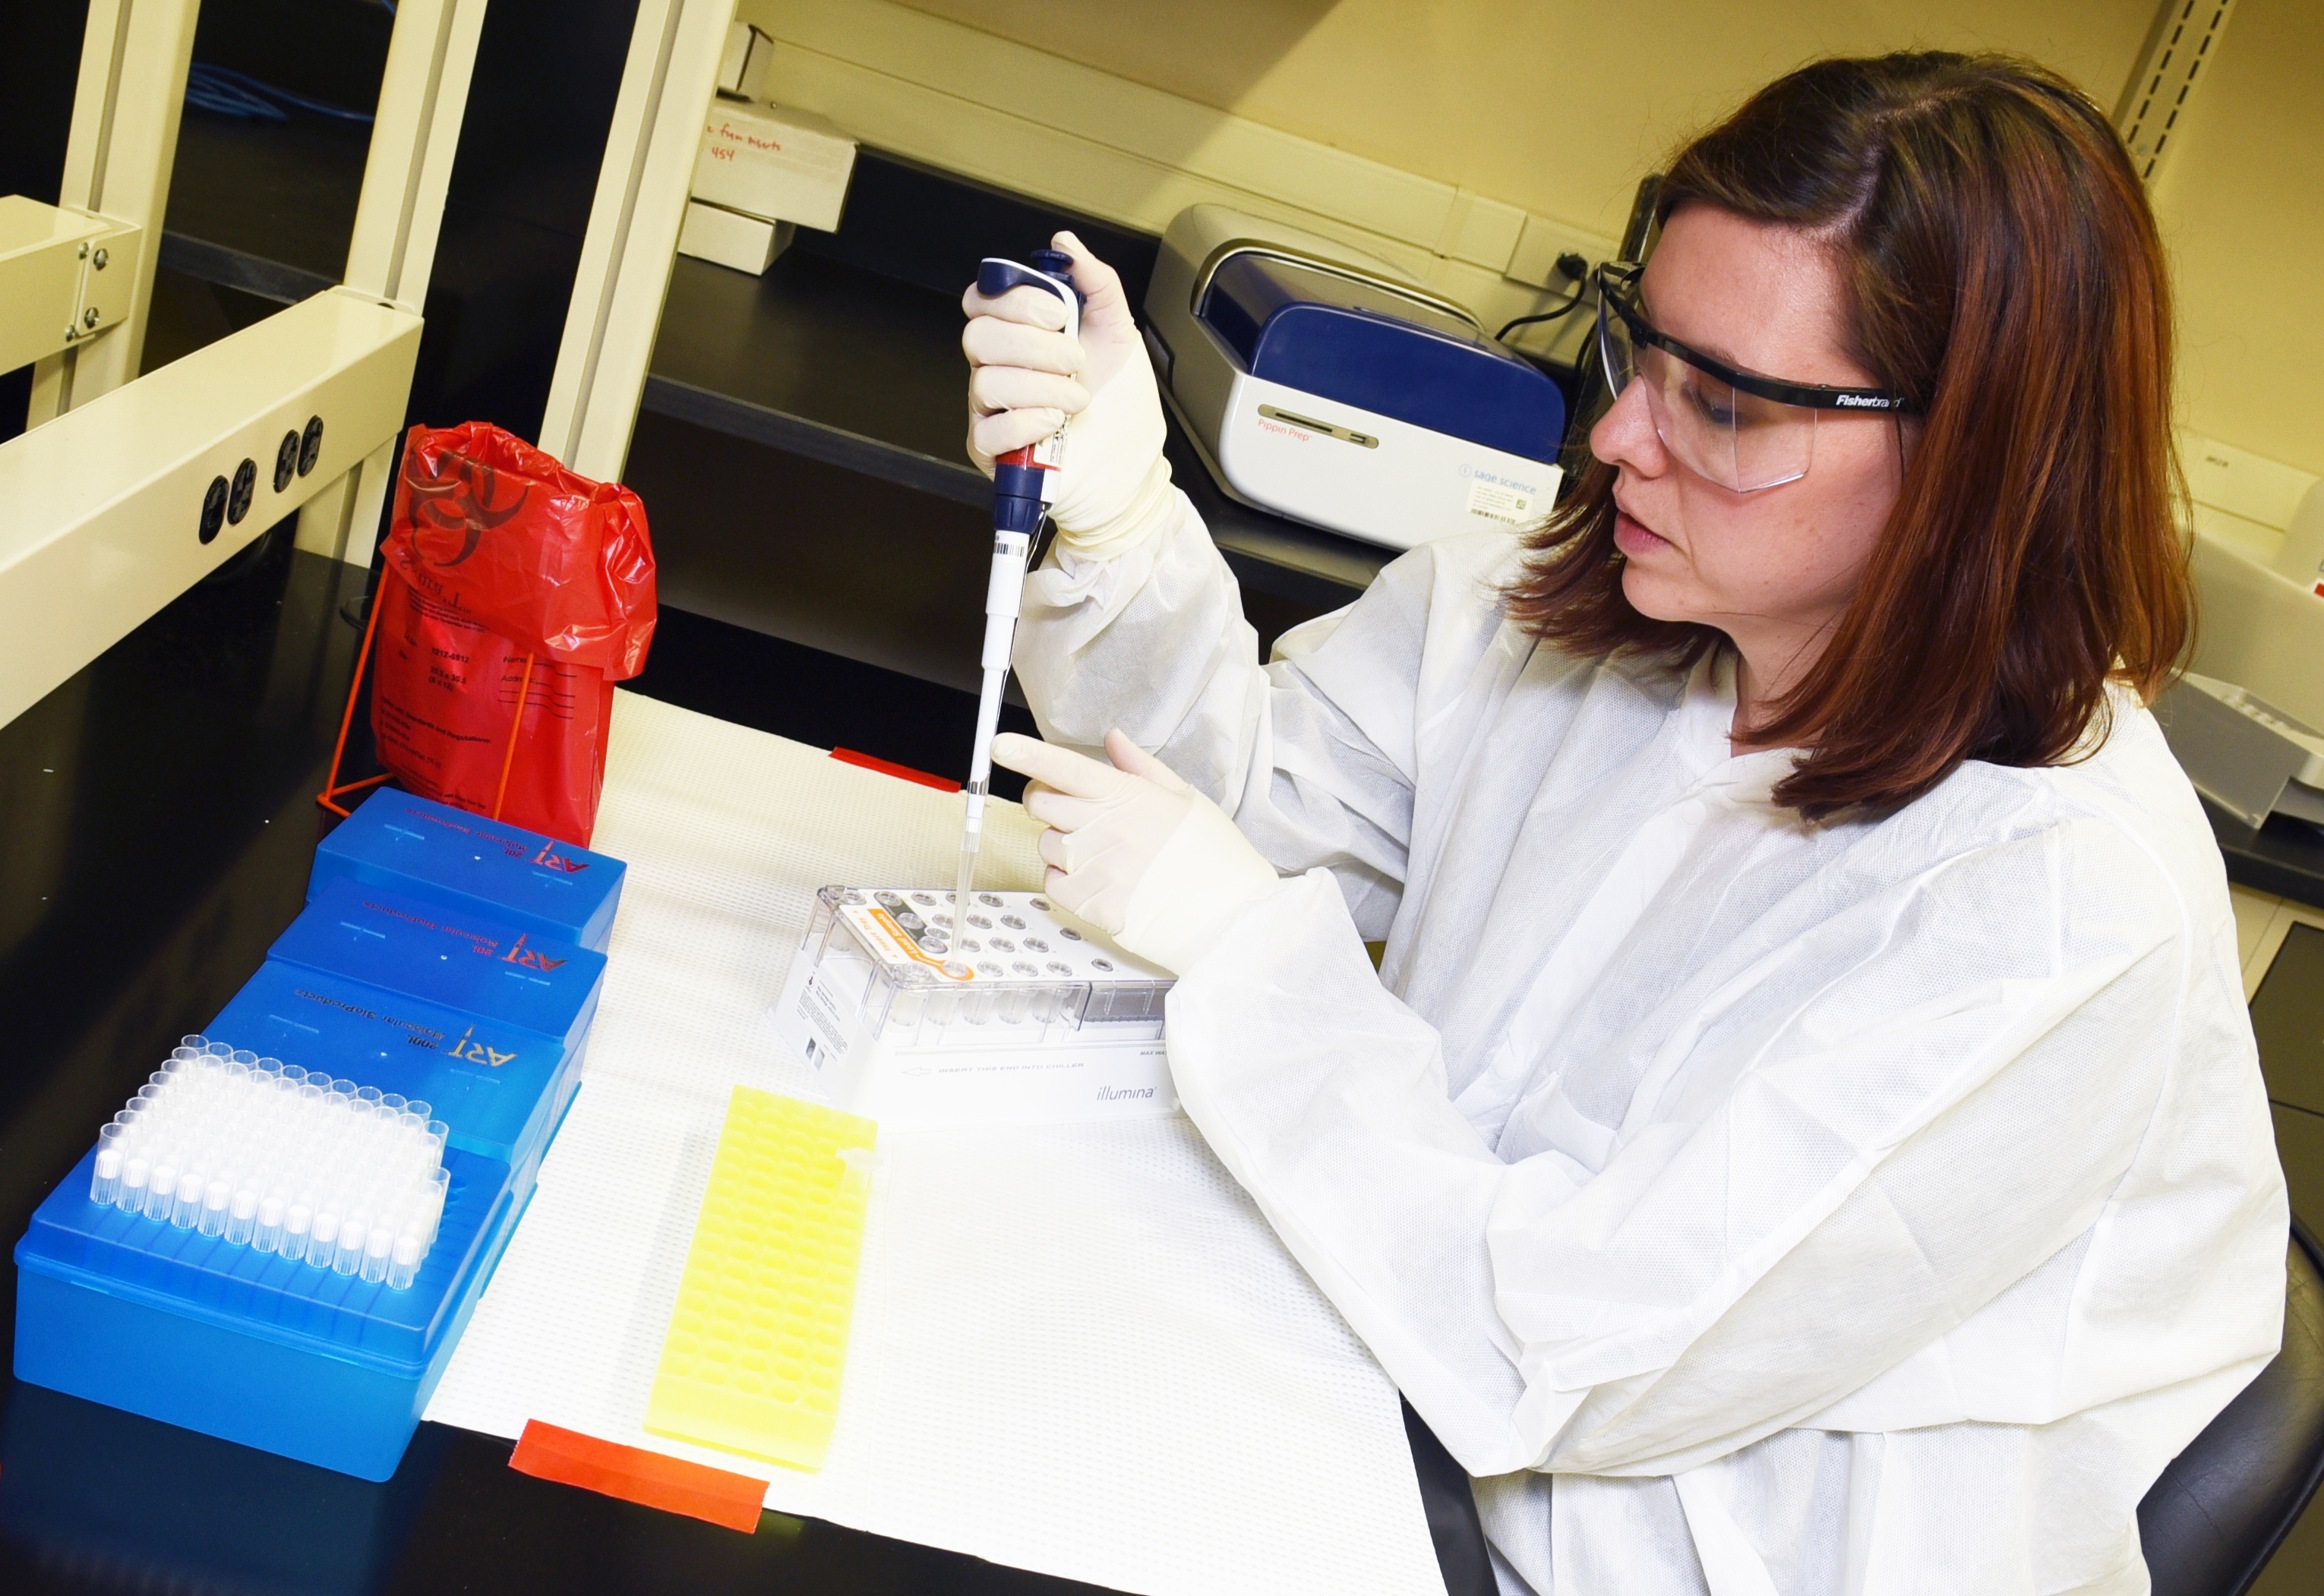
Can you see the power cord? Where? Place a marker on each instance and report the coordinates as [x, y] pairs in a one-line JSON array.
[[1575, 269]]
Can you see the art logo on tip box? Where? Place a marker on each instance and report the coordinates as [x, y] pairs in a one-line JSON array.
[[550, 856], [476, 1052]]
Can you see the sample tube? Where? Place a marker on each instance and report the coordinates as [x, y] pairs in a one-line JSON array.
[[405, 1268], [353, 1231], [323, 1238], [105, 1185], [243, 1217], [379, 1243], [298, 1230], [161, 1190], [187, 1211], [132, 1197], [266, 1236], [216, 1197]]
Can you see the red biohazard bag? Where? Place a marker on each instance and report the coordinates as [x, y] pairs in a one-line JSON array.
[[515, 594]]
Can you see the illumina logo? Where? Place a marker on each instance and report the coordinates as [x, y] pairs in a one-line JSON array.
[[1120, 1094]]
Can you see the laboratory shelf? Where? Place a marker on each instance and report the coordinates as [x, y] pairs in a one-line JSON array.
[[844, 354], [828, 359], [267, 208], [831, 348], [230, 267]]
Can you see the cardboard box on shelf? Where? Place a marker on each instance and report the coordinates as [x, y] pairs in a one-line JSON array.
[[742, 69], [774, 162], [747, 244]]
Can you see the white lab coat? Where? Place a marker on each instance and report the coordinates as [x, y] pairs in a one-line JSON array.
[[1754, 1207]]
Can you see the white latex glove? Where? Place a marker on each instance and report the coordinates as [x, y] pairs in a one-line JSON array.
[[1026, 379], [1136, 852]]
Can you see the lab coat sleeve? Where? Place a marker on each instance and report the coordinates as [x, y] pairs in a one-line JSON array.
[[1872, 1135], [1312, 755]]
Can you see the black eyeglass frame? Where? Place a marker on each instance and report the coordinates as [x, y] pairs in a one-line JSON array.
[[1617, 284]]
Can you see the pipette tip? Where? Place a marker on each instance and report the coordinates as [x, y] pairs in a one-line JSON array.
[[967, 884]]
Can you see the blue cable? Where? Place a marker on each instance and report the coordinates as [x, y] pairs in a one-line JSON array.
[[229, 93]]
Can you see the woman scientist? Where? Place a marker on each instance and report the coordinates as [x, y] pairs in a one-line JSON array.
[[1804, 1135]]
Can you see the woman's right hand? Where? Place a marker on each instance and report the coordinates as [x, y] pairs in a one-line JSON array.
[[1026, 379]]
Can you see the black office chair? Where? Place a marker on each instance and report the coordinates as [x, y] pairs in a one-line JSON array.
[[2226, 1503], [2208, 1526]]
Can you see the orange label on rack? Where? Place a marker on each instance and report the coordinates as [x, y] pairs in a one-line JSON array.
[[885, 923]]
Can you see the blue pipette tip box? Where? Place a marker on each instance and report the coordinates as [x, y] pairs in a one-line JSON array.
[[484, 1021], [448, 955], [517, 878]]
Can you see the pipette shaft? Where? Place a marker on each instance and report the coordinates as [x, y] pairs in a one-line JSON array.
[[1023, 483], [1003, 590]]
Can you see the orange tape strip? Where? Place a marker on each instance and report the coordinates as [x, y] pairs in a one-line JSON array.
[[633, 1474], [890, 767]]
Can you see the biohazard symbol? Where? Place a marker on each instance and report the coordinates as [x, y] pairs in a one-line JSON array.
[[454, 504]]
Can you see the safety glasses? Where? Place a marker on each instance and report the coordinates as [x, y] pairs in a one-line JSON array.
[[1739, 429]]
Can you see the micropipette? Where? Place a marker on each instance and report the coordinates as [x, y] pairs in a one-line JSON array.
[[1023, 483]]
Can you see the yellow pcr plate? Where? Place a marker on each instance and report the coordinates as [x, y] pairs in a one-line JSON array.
[[752, 1359]]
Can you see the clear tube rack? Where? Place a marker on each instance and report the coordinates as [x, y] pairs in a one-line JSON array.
[[1017, 970], [263, 1154]]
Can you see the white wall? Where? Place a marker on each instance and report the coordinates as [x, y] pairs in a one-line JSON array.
[[2242, 208], [1431, 130], [1553, 105]]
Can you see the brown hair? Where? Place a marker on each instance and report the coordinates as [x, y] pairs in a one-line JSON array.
[[2002, 269]]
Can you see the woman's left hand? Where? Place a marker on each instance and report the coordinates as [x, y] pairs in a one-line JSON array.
[[1134, 850]]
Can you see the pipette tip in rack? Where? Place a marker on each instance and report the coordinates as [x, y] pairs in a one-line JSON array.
[[258, 1153], [967, 880]]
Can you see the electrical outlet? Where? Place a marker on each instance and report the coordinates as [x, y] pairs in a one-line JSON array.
[[1540, 243]]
